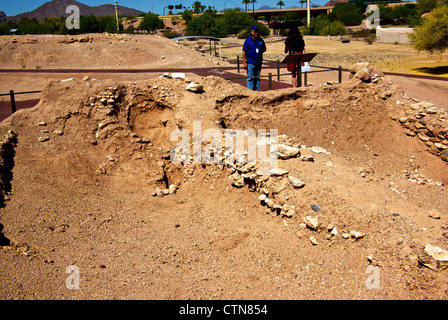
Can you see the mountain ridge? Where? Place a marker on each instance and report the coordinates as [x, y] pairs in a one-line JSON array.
[[57, 8]]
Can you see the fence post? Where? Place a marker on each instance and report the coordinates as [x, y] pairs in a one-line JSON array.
[[299, 75], [13, 101], [340, 74], [238, 63], [305, 77], [270, 81], [278, 70]]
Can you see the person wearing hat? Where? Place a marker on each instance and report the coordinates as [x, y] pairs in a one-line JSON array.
[[253, 49]]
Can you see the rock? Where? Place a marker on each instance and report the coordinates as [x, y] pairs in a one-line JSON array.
[[345, 235], [178, 75], [195, 87], [434, 214], [237, 180], [277, 188], [308, 158], [159, 192], [364, 74], [311, 222], [434, 258], [444, 155], [319, 150], [313, 240], [315, 207], [286, 152], [172, 188], [334, 231], [86, 78], [269, 203], [262, 197], [43, 139], [364, 171], [422, 137], [288, 210], [357, 235], [364, 71], [277, 172], [296, 182]]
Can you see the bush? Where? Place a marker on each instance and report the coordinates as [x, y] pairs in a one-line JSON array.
[[432, 35], [170, 34], [322, 26], [206, 24], [347, 13], [243, 34], [151, 21]]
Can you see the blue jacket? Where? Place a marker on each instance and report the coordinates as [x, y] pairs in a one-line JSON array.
[[254, 49]]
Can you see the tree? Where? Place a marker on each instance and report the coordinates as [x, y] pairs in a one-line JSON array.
[[89, 24], [246, 2], [151, 21], [347, 13], [236, 20], [432, 34], [253, 4], [323, 25], [198, 7], [302, 2], [291, 16], [187, 15], [424, 6], [280, 4], [206, 24]]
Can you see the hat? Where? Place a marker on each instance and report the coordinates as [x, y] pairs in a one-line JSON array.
[[254, 28]]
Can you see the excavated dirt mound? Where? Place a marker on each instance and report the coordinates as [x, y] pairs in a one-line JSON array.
[[345, 216], [99, 51]]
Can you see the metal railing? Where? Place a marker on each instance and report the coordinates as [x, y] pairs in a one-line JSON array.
[[12, 94], [299, 73]]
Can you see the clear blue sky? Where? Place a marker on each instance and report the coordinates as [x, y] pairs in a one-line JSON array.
[[12, 8]]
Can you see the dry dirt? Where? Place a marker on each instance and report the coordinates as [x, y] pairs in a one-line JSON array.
[[79, 172]]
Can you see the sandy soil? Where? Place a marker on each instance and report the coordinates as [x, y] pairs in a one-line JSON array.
[[79, 182]]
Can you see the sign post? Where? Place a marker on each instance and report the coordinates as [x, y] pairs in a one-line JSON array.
[[299, 59]]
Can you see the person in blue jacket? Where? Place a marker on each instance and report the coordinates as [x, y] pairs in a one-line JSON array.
[[253, 49]]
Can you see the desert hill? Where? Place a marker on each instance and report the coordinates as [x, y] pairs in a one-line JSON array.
[[57, 8]]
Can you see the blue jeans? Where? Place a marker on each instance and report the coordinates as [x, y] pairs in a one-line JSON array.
[[253, 70]]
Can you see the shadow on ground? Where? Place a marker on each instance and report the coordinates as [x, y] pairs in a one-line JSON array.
[[441, 70]]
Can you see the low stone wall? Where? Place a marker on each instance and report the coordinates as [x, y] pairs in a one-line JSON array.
[[394, 35]]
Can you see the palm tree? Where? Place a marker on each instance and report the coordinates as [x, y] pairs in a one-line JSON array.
[[253, 5], [197, 7], [280, 3], [246, 2]]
